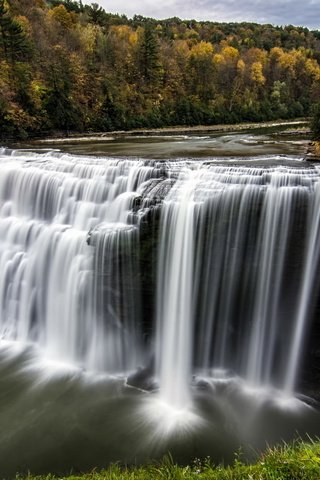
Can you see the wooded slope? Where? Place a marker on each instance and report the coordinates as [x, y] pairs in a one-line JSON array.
[[66, 66]]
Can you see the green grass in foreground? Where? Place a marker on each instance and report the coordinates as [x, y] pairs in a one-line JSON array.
[[300, 461]]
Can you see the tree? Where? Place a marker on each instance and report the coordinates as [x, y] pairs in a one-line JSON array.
[[61, 15], [96, 14], [202, 70], [63, 111], [14, 44], [149, 54]]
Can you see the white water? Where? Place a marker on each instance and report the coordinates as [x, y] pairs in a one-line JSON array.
[[238, 255], [175, 299], [64, 235], [233, 231], [307, 290]]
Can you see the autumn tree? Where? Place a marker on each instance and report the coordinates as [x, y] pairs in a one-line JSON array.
[[68, 65], [202, 70]]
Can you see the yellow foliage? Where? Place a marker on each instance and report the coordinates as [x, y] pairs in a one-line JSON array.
[[182, 48], [77, 69], [218, 59], [123, 32], [256, 73], [241, 66], [276, 53], [202, 50], [313, 68], [133, 38], [88, 36], [230, 53], [38, 89], [61, 15], [287, 61]]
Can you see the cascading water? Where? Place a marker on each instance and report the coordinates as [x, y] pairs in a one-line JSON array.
[[67, 260], [193, 279], [307, 288], [227, 277], [175, 291]]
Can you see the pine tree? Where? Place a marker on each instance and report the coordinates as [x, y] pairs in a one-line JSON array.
[[149, 54], [14, 45], [96, 14]]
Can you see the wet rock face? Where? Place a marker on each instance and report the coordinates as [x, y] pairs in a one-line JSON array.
[[144, 378], [155, 191], [147, 211]]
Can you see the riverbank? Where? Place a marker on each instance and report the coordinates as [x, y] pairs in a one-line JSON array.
[[298, 126], [299, 461]]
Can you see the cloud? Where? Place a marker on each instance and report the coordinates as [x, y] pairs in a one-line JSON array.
[[281, 12]]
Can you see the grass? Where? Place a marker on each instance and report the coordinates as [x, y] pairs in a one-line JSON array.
[[298, 461]]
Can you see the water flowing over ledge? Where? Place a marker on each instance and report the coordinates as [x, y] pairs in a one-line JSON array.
[[194, 281]]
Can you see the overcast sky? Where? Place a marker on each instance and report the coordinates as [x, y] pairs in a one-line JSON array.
[[277, 12]]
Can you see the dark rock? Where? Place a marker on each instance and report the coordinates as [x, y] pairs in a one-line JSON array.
[[143, 378]]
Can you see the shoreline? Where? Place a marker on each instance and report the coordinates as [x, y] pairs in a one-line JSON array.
[[297, 459], [61, 138]]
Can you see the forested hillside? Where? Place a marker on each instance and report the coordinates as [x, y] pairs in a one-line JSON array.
[[70, 67]]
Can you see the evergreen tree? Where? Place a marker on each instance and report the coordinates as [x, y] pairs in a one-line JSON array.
[[14, 44], [71, 5], [149, 54], [96, 14]]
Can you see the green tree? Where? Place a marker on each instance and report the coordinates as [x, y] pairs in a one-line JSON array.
[[96, 14], [149, 54], [14, 44], [60, 105]]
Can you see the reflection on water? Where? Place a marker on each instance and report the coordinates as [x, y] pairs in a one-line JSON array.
[[59, 418]]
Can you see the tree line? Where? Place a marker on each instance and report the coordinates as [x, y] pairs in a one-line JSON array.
[[65, 66]]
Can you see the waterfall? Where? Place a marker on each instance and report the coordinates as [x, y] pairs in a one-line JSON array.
[[237, 253], [175, 291], [307, 290], [240, 234], [69, 274]]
